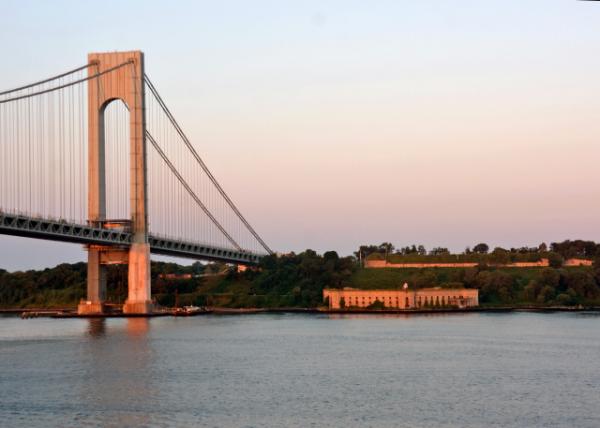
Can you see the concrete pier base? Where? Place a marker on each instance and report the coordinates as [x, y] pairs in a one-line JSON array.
[[90, 308], [139, 308], [139, 297], [96, 285]]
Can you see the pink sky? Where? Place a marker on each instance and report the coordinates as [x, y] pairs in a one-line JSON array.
[[334, 125]]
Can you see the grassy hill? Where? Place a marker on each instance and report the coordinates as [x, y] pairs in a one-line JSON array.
[[492, 258]]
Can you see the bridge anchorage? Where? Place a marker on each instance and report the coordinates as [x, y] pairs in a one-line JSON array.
[[141, 198]]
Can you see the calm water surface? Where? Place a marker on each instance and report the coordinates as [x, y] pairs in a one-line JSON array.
[[475, 370]]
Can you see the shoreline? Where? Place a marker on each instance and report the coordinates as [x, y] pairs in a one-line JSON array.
[[71, 312]]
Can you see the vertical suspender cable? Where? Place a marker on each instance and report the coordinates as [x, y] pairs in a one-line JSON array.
[[203, 165]]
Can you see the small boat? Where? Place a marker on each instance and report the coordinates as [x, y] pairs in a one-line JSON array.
[[190, 310]]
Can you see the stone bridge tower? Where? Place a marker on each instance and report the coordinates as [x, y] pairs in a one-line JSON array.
[[126, 83]]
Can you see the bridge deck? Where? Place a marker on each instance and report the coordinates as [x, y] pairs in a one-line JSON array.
[[59, 230]]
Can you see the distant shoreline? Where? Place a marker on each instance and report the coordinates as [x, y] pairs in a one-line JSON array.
[[71, 312]]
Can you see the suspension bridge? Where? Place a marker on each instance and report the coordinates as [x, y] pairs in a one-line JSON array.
[[93, 156]]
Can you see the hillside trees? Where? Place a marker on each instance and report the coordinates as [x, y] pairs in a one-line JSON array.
[[481, 248]]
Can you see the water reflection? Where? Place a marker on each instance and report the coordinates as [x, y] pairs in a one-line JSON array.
[[303, 370], [590, 314], [138, 327], [375, 315], [96, 327], [116, 371]]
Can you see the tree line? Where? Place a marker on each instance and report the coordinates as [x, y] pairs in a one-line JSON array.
[[297, 280], [538, 286], [294, 280], [556, 252]]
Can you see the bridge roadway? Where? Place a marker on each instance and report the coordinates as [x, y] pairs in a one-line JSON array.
[[59, 230]]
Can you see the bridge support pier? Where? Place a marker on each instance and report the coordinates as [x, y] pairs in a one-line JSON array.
[[96, 285], [139, 298], [125, 83]]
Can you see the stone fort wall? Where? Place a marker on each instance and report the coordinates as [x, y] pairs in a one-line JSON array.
[[379, 264], [401, 299]]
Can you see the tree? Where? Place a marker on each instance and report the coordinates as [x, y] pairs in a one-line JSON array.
[[386, 247], [596, 267], [469, 278], [550, 277], [481, 248], [577, 248], [583, 284], [496, 286], [531, 291], [500, 256], [421, 250], [564, 299], [438, 251], [331, 256], [546, 294], [197, 267], [412, 250], [424, 278], [555, 260], [365, 251], [376, 305]]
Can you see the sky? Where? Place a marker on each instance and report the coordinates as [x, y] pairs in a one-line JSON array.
[[338, 123]]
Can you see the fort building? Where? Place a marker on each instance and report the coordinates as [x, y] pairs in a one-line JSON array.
[[401, 299]]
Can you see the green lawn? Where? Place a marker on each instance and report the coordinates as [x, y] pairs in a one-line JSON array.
[[391, 278]]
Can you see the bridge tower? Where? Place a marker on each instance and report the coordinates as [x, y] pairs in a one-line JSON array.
[[125, 84]]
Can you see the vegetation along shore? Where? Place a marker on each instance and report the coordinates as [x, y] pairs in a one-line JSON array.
[[297, 280]]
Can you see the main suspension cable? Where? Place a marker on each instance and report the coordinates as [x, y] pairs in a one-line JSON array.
[[49, 79], [66, 85], [191, 192], [203, 165]]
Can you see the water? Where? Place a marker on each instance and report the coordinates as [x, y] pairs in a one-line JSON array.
[[475, 370]]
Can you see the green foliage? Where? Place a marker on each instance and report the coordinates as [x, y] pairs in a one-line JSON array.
[[480, 254], [576, 249], [481, 248], [546, 294], [582, 283], [297, 280], [439, 251], [497, 286], [376, 305], [63, 285], [497, 257], [368, 279], [555, 260]]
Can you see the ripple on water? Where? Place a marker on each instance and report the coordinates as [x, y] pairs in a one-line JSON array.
[[293, 370]]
